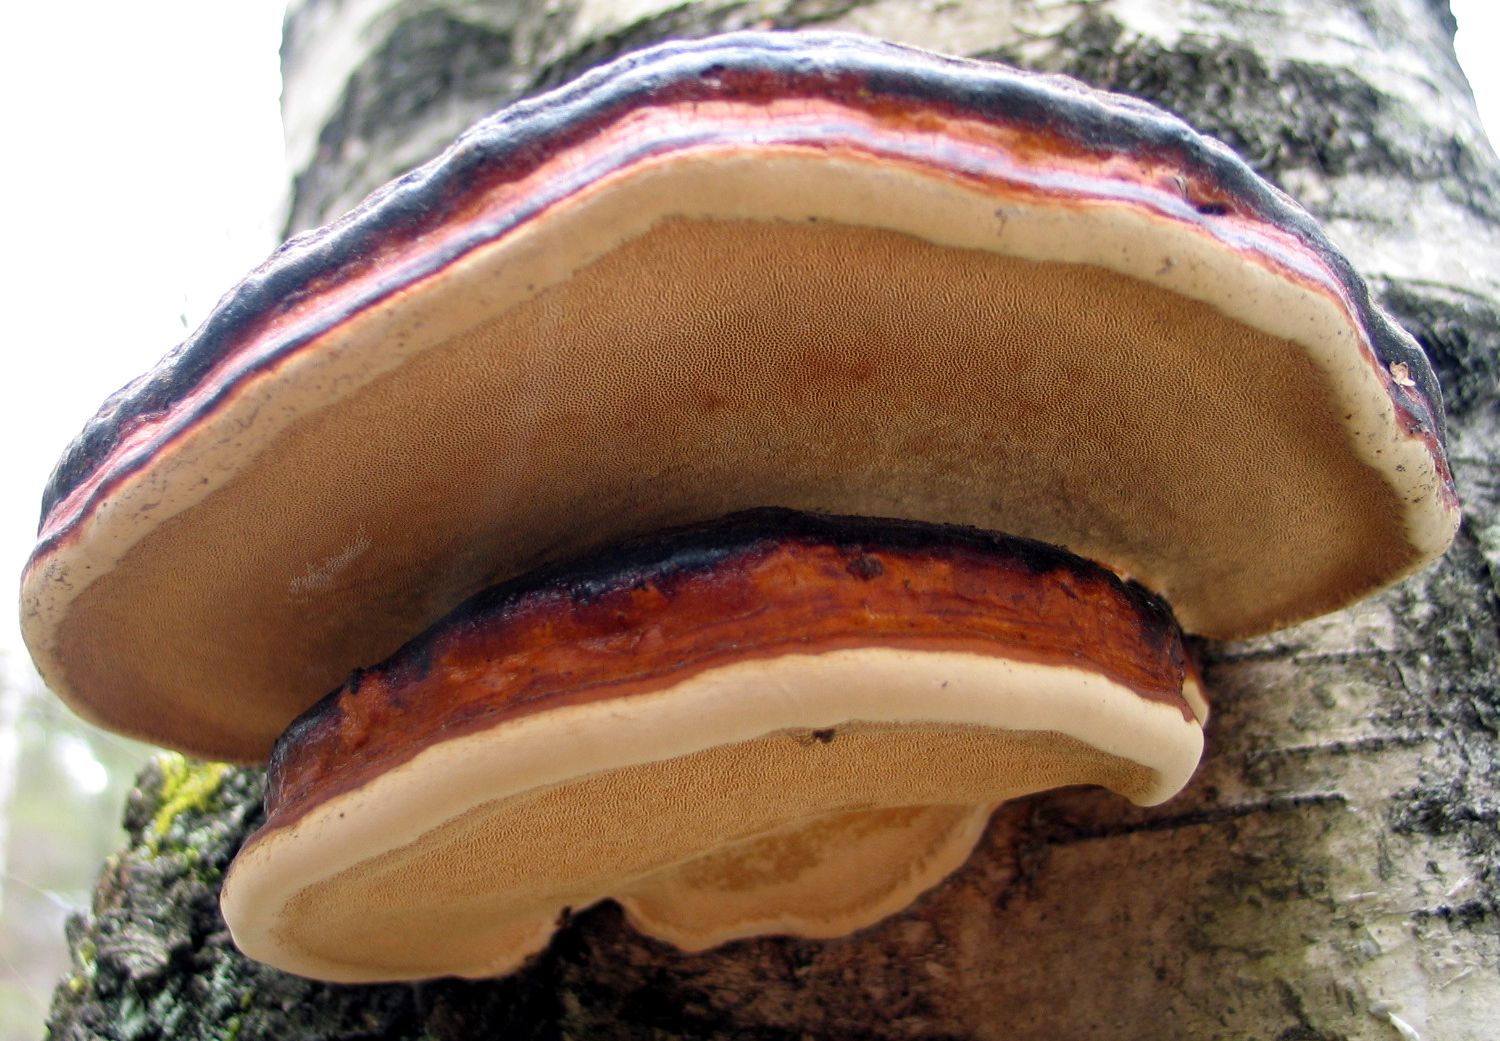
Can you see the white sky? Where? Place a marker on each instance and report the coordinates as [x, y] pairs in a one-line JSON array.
[[143, 151], [143, 147]]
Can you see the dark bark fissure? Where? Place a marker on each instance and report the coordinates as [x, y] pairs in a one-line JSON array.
[[418, 69], [1293, 115]]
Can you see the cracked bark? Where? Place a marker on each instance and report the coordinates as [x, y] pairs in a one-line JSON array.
[[1334, 869]]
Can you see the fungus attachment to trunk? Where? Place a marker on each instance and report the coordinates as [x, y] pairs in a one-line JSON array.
[[777, 723], [805, 271]]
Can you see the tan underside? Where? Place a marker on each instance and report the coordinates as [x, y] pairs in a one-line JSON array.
[[820, 879], [451, 904], [1088, 374], [810, 795]]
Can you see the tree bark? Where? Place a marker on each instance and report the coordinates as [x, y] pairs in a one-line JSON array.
[[1334, 869]]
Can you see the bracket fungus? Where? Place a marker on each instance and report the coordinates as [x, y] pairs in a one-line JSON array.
[[809, 272], [778, 722]]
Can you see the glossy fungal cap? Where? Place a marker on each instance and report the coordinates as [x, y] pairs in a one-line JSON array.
[[779, 723], [764, 270]]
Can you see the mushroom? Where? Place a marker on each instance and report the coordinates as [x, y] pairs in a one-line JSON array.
[[778, 722], [803, 271]]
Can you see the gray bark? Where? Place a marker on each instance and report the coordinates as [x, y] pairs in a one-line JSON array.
[[1334, 869]]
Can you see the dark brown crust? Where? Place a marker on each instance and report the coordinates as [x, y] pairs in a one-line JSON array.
[[758, 584], [414, 227]]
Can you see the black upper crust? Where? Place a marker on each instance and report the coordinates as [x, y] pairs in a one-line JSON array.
[[748, 66]]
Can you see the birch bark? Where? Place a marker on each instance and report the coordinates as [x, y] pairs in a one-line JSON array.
[[1334, 869]]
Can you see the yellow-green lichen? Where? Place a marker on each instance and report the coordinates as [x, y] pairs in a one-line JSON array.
[[186, 784], [84, 955]]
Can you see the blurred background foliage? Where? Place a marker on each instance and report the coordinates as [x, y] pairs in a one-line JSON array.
[[62, 793]]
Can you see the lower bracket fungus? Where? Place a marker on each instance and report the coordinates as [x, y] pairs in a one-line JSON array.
[[807, 272], [779, 723]]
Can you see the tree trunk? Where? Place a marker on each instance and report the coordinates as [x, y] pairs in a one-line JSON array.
[[1334, 869]]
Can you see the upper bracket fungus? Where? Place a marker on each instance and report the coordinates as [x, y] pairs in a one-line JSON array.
[[811, 272]]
